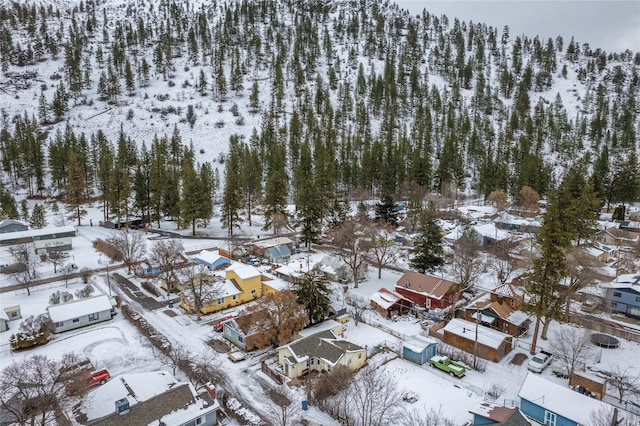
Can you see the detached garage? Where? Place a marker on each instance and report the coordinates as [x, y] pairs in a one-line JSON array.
[[419, 349], [79, 313]]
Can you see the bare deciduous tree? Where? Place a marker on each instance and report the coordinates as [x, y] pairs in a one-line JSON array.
[[466, 263], [625, 381], [130, 245], [25, 255], [205, 368], [499, 199], [529, 198], [56, 258], [358, 305], [608, 416], [571, 347], [32, 389], [177, 357], [383, 246], [283, 411], [375, 397], [432, 417], [60, 297], [330, 392], [353, 245], [502, 261], [168, 253], [200, 287], [85, 291], [581, 274]]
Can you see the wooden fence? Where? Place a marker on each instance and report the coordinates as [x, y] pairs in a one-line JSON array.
[[598, 324], [274, 375]]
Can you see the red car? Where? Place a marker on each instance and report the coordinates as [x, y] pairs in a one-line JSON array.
[[87, 380], [219, 326]]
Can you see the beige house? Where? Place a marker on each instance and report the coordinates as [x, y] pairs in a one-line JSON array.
[[321, 352]]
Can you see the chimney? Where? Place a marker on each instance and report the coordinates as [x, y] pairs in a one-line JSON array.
[[211, 390]]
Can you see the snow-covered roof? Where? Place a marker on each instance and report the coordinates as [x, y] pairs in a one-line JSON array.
[[137, 388], [37, 232], [78, 308], [385, 298], [243, 271], [486, 336], [277, 284], [489, 230], [8, 222], [323, 326], [477, 212], [625, 281], [559, 399], [209, 256], [190, 412], [418, 344], [228, 288], [272, 242]]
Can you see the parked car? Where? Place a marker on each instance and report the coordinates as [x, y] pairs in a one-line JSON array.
[[218, 326], [448, 366], [540, 361], [87, 380]]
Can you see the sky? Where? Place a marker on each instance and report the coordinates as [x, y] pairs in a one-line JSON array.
[[613, 26]]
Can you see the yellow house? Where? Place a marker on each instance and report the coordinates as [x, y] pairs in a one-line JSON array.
[[321, 352], [273, 285], [242, 284]]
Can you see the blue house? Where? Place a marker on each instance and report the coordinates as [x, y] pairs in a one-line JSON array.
[[10, 225], [212, 259], [623, 295], [419, 349], [551, 404]]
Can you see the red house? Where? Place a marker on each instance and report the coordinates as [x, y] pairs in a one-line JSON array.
[[426, 290]]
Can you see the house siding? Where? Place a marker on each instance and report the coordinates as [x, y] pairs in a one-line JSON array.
[[419, 358], [421, 299], [82, 322], [537, 412], [469, 345], [627, 303]]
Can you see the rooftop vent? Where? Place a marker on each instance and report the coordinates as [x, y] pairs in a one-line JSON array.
[[122, 406]]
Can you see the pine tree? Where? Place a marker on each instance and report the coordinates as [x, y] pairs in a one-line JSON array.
[[313, 292], [232, 196], [24, 210], [75, 194], [59, 104], [43, 109], [427, 252], [38, 219], [386, 210], [129, 78], [195, 202], [202, 83], [548, 270], [306, 197]]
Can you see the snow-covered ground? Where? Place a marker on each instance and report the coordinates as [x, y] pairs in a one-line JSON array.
[[117, 346]]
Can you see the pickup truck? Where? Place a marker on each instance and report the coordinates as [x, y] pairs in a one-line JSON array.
[[87, 380], [540, 361], [448, 366], [219, 326]]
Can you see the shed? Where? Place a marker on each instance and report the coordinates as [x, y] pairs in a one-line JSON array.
[[419, 349], [492, 414], [589, 384], [390, 303], [13, 312], [470, 336]]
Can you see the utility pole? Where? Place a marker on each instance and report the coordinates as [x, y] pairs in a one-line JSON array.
[[475, 344], [108, 279]]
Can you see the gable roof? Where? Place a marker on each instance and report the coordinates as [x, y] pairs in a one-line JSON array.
[[324, 345], [387, 298], [243, 271], [509, 290], [500, 415], [628, 281], [427, 284], [151, 396], [78, 308], [9, 222], [210, 256], [559, 399]]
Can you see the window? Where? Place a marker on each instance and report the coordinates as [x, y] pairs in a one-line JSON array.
[[253, 291], [94, 317], [234, 297], [199, 421], [549, 418], [60, 324], [240, 339], [617, 294], [633, 311], [637, 298], [76, 320], [221, 301]]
